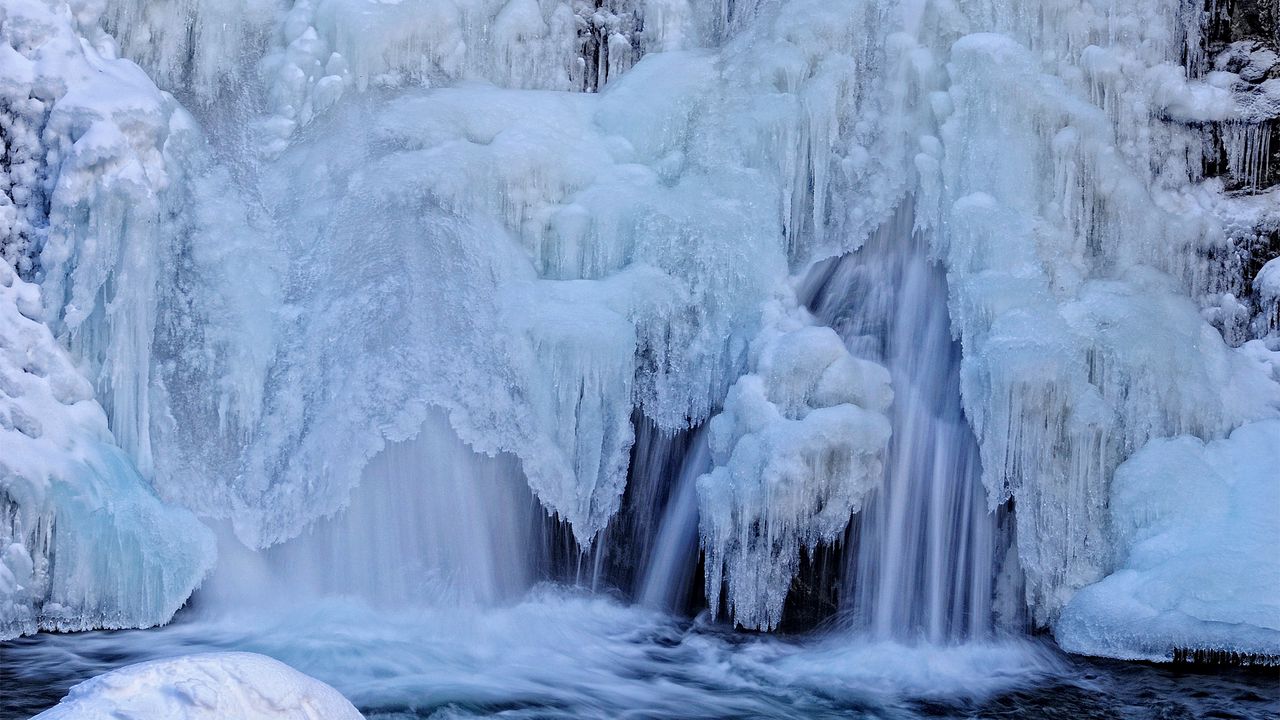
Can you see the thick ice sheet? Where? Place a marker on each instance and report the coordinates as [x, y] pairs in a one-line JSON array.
[[1196, 527], [84, 542]]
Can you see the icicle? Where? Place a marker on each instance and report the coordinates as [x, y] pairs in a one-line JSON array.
[[1248, 150]]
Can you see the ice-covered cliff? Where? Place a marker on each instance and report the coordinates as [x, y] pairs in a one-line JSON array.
[[84, 542]]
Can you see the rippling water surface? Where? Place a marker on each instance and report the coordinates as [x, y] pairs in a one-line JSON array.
[[560, 654]]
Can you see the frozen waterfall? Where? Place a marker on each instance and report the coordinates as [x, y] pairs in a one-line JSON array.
[[920, 325]]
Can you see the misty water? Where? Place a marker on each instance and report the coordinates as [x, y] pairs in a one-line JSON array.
[[565, 654]]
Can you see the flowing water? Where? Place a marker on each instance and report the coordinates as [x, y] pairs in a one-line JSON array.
[[925, 550], [561, 654]]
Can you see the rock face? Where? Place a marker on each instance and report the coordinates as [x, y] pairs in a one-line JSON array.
[[1239, 50]]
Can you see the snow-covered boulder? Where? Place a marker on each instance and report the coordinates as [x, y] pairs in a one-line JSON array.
[[1196, 526], [210, 686]]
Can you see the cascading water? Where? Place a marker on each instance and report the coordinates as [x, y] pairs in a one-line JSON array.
[[649, 551], [922, 557], [671, 566], [431, 523]]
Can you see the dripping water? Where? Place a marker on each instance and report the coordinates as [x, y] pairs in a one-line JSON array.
[[648, 553]]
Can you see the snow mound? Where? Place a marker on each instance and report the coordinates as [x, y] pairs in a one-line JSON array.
[[123, 559], [209, 686], [1196, 527]]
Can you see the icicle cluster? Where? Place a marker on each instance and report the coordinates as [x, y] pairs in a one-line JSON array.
[[90, 144], [1077, 242], [797, 447]]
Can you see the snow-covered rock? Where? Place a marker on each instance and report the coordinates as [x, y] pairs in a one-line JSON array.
[[207, 686], [1196, 528]]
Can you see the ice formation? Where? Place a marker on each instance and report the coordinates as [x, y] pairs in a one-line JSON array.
[[86, 136], [207, 686], [1075, 237], [797, 447], [1195, 526], [538, 263], [84, 542]]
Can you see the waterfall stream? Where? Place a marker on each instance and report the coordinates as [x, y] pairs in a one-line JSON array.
[[671, 567], [923, 552]]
